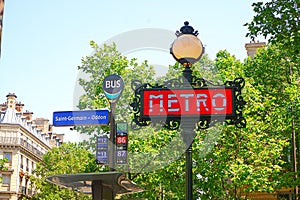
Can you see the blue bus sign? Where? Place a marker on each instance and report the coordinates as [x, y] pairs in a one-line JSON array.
[[113, 86], [81, 117]]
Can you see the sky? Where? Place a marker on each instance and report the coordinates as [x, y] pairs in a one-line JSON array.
[[43, 42]]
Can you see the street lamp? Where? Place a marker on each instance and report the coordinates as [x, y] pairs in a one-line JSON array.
[[187, 49], [187, 102]]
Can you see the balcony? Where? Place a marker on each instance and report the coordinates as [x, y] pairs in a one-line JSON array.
[[5, 188], [14, 141], [23, 190], [26, 191]]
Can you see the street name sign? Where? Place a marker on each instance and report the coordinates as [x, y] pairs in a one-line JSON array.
[[81, 118]]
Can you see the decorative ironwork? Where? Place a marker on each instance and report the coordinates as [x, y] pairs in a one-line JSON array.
[[186, 29], [239, 121], [173, 123]]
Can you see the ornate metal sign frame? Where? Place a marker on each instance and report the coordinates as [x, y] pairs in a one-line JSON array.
[[203, 122]]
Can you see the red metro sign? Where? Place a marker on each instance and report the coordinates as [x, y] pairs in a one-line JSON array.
[[205, 102], [172, 103]]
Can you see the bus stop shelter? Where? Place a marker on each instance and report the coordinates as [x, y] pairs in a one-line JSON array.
[[102, 185]]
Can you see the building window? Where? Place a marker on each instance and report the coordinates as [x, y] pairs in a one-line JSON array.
[[8, 156], [32, 167], [285, 197], [6, 179], [27, 164], [21, 163]]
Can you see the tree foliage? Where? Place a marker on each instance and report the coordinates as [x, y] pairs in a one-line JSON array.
[[2, 166], [228, 162], [69, 158], [105, 61], [251, 159], [148, 147], [276, 70], [277, 20], [277, 77]]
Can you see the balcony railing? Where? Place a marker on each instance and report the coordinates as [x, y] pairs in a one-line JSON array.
[[20, 142], [25, 191]]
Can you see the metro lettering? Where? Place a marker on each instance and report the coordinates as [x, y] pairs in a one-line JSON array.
[[188, 102]]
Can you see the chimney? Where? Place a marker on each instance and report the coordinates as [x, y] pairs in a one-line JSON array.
[[28, 115], [19, 106], [11, 100], [253, 46]]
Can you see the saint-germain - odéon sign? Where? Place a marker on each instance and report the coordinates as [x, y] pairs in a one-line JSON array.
[[81, 117]]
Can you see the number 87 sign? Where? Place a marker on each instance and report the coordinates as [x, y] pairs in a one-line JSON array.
[[121, 156]]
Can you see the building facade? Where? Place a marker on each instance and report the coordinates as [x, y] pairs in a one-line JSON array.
[[253, 46], [23, 142]]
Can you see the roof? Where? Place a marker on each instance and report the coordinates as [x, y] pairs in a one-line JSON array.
[[115, 181]]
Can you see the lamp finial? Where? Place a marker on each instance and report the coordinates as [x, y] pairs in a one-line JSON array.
[[186, 29]]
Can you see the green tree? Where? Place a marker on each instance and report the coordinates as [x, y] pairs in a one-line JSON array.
[[69, 158], [249, 159], [276, 71], [150, 165], [277, 20], [228, 162], [276, 76], [105, 61], [253, 159], [148, 147], [2, 166]]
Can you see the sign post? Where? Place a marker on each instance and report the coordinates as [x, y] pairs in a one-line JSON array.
[[107, 185], [113, 86]]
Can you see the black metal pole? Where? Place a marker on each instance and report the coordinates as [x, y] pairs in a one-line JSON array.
[[188, 135], [189, 173], [112, 137], [188, 76], [97, 190]]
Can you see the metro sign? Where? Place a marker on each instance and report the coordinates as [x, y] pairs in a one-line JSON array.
[[173, 103], [205, 102]]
